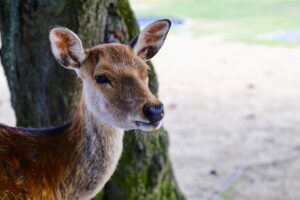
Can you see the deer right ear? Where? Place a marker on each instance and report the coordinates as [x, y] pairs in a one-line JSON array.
[[67, 47], [150, 40]]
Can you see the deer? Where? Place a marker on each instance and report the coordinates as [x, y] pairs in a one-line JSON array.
[[75, 160]]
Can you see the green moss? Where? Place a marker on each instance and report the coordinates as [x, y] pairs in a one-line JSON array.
[[129, 18]]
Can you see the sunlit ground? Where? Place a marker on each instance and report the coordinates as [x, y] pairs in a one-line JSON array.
[[229, 77]]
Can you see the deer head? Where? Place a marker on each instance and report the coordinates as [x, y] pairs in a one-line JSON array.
[[115, 76]]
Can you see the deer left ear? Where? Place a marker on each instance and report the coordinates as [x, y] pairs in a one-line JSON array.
[[67, 47], [151, 39]]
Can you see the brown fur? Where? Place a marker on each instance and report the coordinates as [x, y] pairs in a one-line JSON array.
[[76, 160], [65, 41], [33, 164], [126, 71]]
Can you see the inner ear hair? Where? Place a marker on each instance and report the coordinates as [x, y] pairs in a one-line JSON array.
[[148, 51], [66, 47], [150, 39]]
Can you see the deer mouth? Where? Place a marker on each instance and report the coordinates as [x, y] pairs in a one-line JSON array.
[[141, 124]]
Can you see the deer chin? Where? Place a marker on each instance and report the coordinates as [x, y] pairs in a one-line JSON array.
[[146, 126]]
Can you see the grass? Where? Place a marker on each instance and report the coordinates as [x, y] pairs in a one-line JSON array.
[[241, 20], [226, 195]]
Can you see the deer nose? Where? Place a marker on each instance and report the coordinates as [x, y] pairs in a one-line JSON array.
[[153, 113]]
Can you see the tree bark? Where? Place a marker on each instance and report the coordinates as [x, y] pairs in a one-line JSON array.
[[45, 94]]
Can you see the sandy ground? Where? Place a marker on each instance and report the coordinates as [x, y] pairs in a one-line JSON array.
[[232, 112], [233, 117], [7, 115]]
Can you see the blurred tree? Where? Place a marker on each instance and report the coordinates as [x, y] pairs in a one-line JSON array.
[[45, 94]]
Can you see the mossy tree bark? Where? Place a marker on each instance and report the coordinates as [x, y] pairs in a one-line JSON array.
[[45, 94]]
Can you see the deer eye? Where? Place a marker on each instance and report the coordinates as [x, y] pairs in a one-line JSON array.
[[148, 72], [102, 79]]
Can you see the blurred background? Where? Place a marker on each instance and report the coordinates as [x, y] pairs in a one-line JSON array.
[[229, 77]]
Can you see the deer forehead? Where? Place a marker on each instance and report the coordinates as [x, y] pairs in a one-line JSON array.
[[126, 71], [116, 60]]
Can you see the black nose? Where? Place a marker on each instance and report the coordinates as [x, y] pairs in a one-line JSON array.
[[153, 113]]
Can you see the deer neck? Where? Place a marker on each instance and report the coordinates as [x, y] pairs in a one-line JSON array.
[[101, 149]]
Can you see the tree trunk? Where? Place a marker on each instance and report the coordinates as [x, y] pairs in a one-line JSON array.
[[45, 94]]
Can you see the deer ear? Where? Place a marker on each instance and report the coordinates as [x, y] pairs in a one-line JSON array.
[[151, 39], [67, 47]]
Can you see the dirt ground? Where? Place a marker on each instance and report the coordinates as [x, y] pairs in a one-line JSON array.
[[232, 111], [7, 115]]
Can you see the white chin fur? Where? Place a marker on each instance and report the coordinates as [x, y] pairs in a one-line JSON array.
[[148, 127]]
